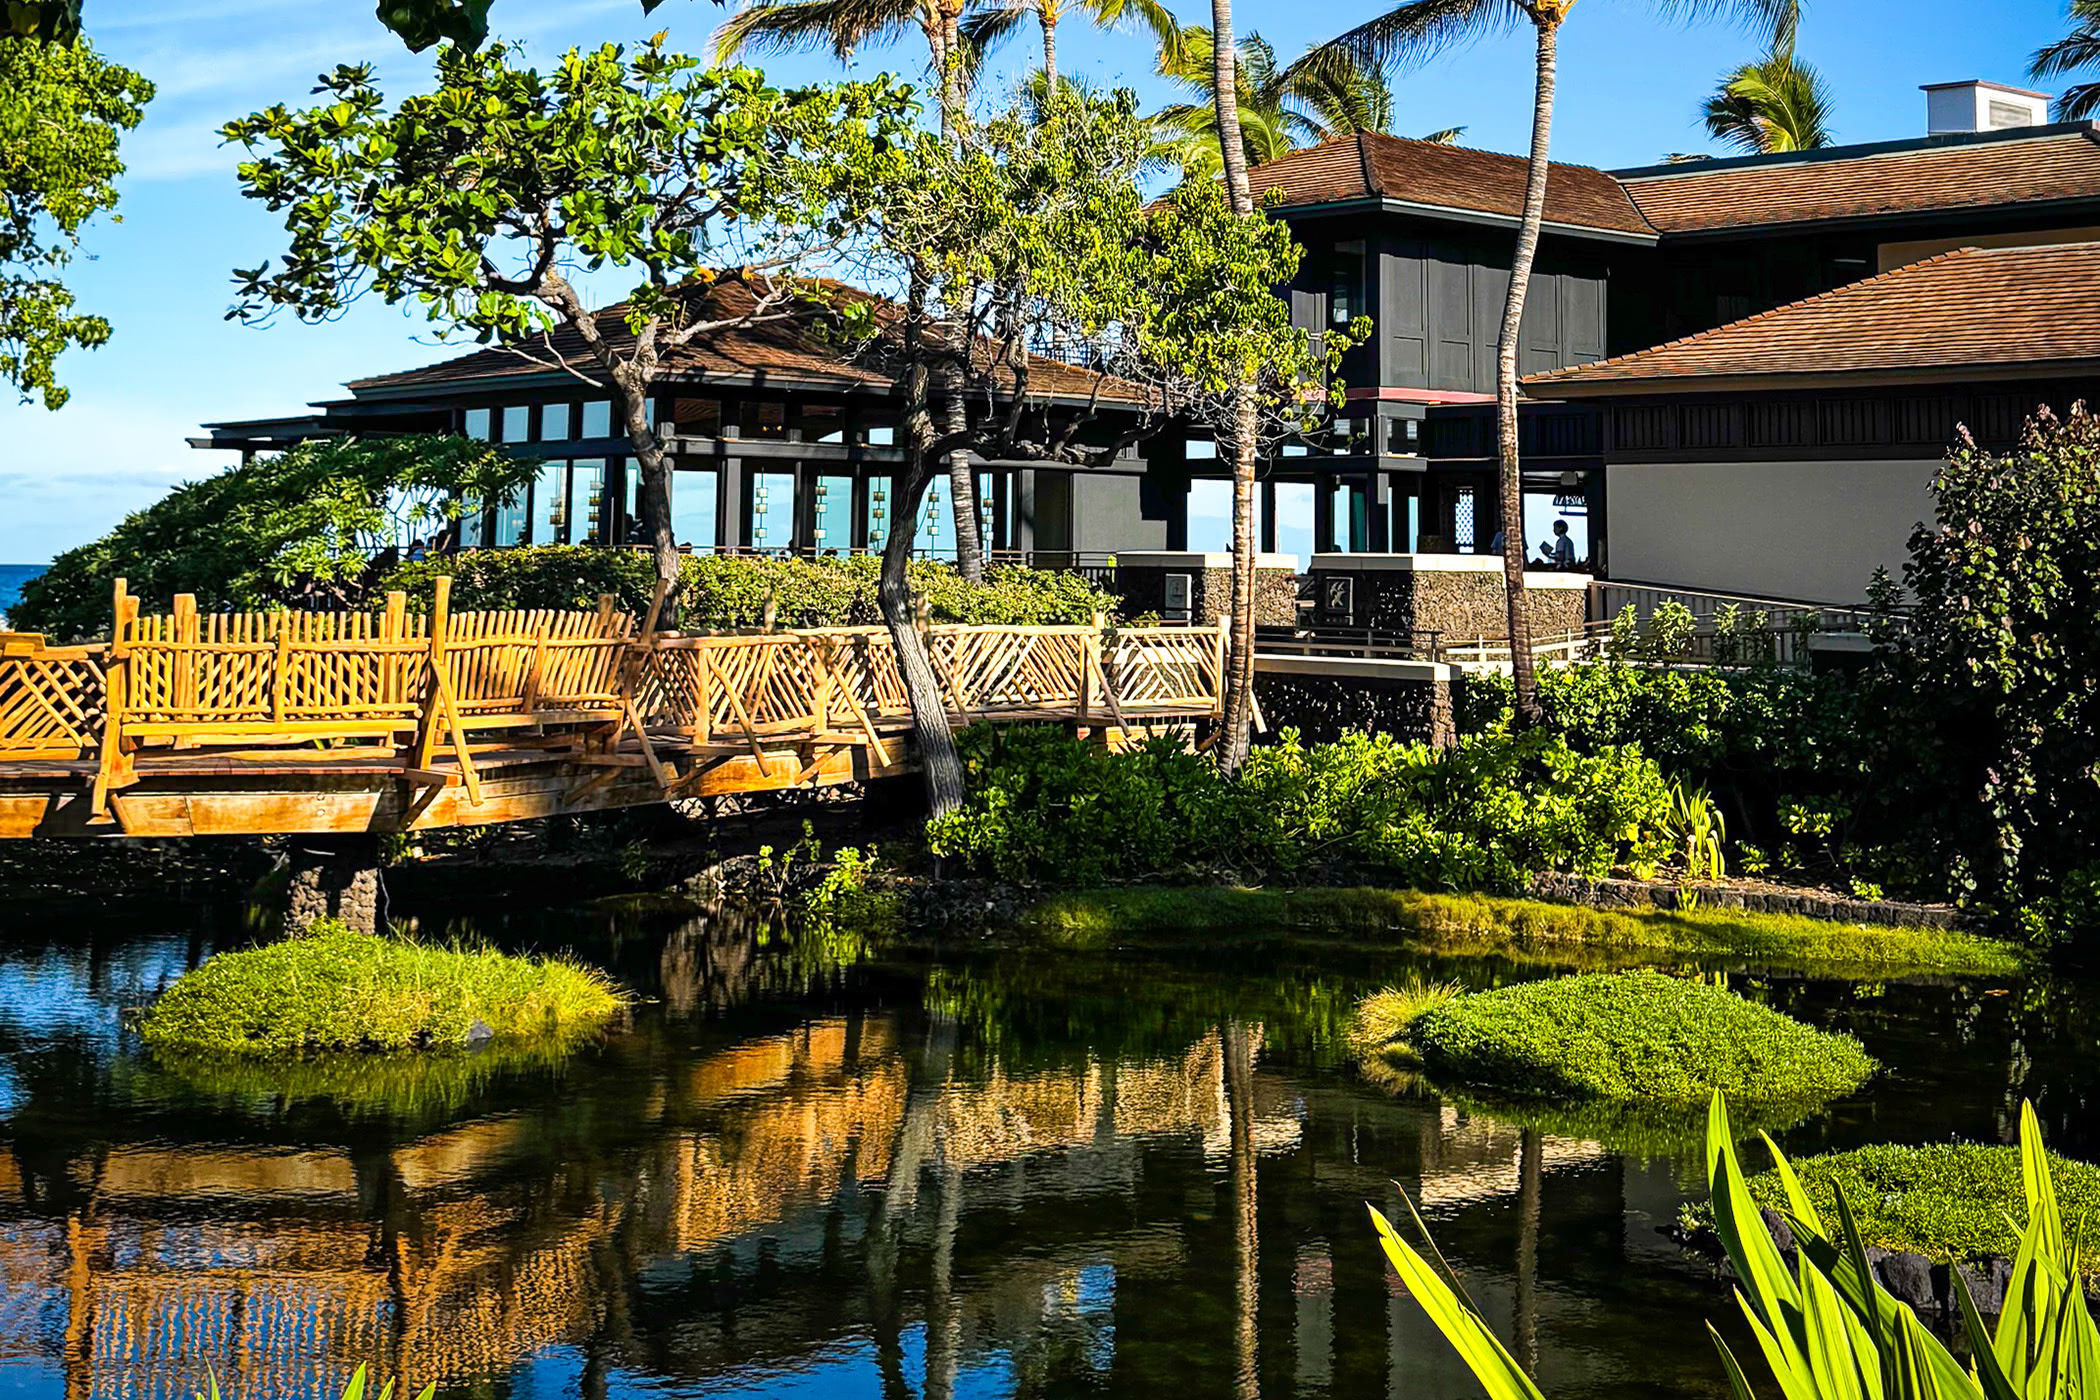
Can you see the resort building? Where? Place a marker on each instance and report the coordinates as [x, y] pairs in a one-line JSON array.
[[1740, 373]]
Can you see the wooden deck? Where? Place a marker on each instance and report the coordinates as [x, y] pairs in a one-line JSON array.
[[190, 724]]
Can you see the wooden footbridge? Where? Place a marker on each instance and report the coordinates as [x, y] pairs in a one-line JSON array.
[[192, 724]]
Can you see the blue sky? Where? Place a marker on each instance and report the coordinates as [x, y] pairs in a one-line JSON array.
[[1630, 86]]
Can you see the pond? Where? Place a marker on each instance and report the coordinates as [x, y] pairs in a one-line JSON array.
[[986, 1173]]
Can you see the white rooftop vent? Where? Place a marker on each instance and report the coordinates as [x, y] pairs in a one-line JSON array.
[[1981, 106]]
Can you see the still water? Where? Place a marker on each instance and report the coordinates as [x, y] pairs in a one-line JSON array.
[[990, 1173]]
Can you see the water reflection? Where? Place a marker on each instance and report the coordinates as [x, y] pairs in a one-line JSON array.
[[991, 1175]]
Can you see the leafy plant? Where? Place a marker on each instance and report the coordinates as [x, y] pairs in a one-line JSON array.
[[1668, 635], [1700, 832], [1826, 1329], [353, 1391]]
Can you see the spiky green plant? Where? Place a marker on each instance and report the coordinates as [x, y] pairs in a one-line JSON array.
[[353, 1391], [1827, 1330]]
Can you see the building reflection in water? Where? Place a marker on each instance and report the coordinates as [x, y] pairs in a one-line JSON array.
[[855, 1197]]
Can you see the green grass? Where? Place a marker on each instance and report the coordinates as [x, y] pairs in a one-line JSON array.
[[339, 990], [1527, 930], [1947, 1201], [1630, 1037], [420, 1089]]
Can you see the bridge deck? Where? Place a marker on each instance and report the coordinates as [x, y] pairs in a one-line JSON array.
[[192, 724]]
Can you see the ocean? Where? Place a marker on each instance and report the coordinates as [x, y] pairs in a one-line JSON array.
[[12, 577]]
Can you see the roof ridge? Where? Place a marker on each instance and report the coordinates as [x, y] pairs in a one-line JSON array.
[[1769, 312], [1856, 150], [1470, 150]]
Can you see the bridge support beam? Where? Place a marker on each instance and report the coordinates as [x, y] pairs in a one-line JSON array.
[[334, 877]]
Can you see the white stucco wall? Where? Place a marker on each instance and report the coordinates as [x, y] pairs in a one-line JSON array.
[[1808, 530]]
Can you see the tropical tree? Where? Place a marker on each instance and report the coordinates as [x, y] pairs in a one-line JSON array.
[[2076, 52], [1411, 32], [1776, 104], [844, 27], [63, 111], [992, 22], [300, 528], [1034, 229], [706, 191], [1280, 109]]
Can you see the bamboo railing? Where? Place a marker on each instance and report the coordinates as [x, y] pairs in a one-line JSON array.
[[396, 691]]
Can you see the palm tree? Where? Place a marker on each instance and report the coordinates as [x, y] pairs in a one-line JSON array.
[[845, 26], [1410, 32], [2080, 49], [992, 22], [1776, 104], [1280, 109]]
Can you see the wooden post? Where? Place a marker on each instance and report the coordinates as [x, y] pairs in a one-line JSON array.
[[391, 627], [434, 650], [114, 768]]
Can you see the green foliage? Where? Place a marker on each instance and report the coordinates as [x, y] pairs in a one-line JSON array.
[[2005, 651], [1699, 833], [1950, 1201], [746, 591], [63, 112], [848, 903], [1485, 814], [335, 989], [1825, 1327], [356, 1390], [467, 199], [1526, 931], [295, 529], [1631, 1036]]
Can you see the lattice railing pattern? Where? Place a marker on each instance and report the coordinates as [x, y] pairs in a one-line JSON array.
[[404, 686]]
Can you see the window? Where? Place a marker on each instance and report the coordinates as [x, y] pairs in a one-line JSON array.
[[697, 417], [834, 515], [597, 420], [586, 491], [879, 508], [554, 422], [693, 508], [882, 435], [1462, 526], [772, 510], [822, 422], [510, 523], [765, 420], [1202, 450], [550, 501], [1346, 294], [477, 426], [1294, 518], [516, 421], [1210, 515]]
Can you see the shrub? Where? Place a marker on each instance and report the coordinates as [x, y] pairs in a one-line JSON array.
[[1631, 1036], [1949, 1201], [1484, 815], [744, 591], [336, 989]]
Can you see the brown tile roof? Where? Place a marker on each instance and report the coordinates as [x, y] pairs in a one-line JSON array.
[[797, 350], [2054, 164], [1971, 309], [1370, 165]]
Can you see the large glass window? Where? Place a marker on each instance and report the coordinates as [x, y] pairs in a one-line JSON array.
[[1294, 519], [834, 515], [477, 424], [586, 492], [882, 507], [597, 420], [1210, 516], [550, 500], [773, 510], [693, 508], [935, 534], [516, 423], [1348, 524], [1346, 299], [554, 422]]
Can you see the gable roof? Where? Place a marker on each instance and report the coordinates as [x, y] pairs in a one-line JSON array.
[[1937, 175], [1371, 165], [1972, 310], [796, 350]]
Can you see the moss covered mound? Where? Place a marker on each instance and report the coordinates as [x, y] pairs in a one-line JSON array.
[[339, 990], [1635, 1037], [1948, 1201]]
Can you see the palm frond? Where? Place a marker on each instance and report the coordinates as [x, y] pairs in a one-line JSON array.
[[1779, 104], [1775, 22], [987, 26], [1448, 136], [783, 26], [1411, 33], [1166, 30]]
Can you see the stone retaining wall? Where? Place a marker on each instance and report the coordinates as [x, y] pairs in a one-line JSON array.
[[1662, 894]]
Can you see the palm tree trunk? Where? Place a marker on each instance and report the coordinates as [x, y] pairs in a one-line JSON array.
[[1049, 21], [955, 414], [1238, 710], [1522, 667]]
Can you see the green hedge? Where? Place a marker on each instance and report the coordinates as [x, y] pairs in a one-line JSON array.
[[735, 591], [1483, 815]]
